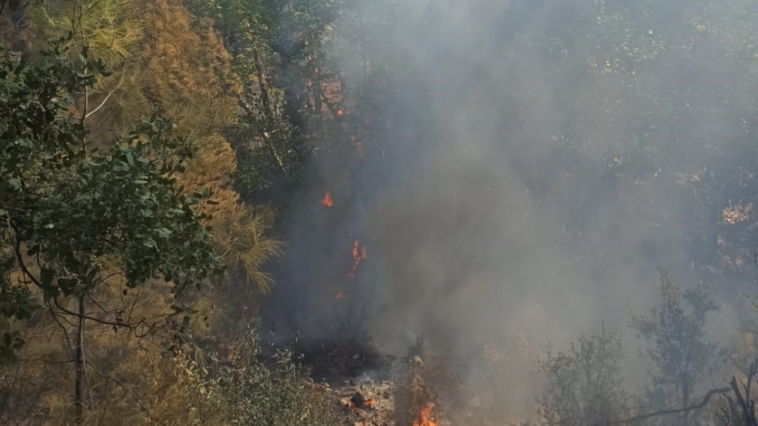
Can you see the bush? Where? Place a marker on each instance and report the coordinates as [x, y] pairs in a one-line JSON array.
[[249, 391], [583, 386]]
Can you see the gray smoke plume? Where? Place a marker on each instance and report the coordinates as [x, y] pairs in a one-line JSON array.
[[535, 163]]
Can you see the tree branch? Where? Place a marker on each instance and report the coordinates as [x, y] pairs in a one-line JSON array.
[[25, 270], [129, 391], [266, 140], [87, 115], [700, 404]]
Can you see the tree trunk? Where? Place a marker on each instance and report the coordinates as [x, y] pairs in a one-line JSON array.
[[267, 110], [79, 362]]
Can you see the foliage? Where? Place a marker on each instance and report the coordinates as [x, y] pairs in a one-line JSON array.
[[243, 233], [186, 72], [70, 215], [277, 50], [108, 28], [250, 392], [246, 389], [140, 206], [675, 330], [582, 386]]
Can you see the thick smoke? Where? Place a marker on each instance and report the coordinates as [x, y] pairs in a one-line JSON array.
[[537, 161]]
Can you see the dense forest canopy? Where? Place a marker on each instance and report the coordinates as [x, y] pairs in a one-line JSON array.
[[197, 196]]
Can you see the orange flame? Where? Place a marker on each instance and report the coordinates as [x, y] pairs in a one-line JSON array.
[[327, 200], [338, 296], [340, 113], [358, 401], [424, 417], [359, 253]]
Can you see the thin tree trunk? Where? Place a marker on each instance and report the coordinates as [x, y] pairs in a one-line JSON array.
[[79, 362], [267, 109], [262, 83]]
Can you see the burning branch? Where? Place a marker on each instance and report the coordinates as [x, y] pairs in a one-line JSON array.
[[420, 395], [425, 416], [359, 254]]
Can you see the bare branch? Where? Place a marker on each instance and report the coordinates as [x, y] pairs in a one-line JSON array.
[[699, 405], [106, 98]]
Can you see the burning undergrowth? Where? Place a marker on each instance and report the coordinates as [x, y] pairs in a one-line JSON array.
[[422, 388]]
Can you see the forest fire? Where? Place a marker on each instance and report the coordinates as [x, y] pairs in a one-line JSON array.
[[327, 200], [358, 401], [424, 417], [359, 254]]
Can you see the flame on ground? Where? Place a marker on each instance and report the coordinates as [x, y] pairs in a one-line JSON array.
[[359, 253], [425, 416], [327, 200]]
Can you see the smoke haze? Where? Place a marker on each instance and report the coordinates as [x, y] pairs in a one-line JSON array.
[[529, 166]]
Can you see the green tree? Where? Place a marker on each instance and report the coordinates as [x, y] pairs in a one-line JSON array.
[[583, 386], [73, 219], [675, 331]]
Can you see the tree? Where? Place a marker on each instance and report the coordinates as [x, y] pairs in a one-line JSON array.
[[74, 219], [175, 66], [186, 73], [675, 330], [269, 139], [583, 386]]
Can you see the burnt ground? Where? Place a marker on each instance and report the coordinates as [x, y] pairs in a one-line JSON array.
[[374, 389], [387, 390]]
